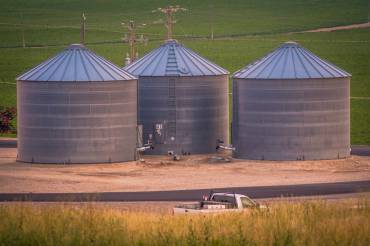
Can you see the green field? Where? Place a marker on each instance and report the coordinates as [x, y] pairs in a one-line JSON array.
[[243, 30], [306, 223], [48, 19]]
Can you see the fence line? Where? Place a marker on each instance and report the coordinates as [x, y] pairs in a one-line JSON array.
[[361, 98], [189, 37]]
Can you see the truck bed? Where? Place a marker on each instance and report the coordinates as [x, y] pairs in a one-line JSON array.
[[205, 207]]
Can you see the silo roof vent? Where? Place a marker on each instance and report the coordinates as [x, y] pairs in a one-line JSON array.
[[290, 61], [76, 63], [173, 59]]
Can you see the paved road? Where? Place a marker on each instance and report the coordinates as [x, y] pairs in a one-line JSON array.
[[8, 143], [191, 195], [362, 150]]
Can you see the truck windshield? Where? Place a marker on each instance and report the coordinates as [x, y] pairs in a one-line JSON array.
[[246, 202]]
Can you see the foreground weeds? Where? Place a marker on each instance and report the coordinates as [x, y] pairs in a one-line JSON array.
[[308, 223]]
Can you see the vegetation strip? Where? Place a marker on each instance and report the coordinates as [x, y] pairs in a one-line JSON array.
[[307, 223]]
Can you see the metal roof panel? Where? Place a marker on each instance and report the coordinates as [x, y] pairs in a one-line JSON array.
[[173, 59], [290, 61], [76, 63]]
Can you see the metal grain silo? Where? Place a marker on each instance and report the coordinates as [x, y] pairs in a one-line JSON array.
[[291, 105], [183, 100], [76, 107]]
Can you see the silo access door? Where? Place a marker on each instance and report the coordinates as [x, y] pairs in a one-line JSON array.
[[164, 132]]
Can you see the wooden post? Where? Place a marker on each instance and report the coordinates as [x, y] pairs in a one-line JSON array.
[[83, 26]]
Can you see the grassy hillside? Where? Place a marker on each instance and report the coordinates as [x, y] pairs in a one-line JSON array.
[[311, 223], [244, 31]]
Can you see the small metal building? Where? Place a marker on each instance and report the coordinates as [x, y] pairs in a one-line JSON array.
[[76, 107], [183, 100], [291, 105]]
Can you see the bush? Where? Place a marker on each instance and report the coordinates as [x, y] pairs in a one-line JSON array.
[[6, 117]]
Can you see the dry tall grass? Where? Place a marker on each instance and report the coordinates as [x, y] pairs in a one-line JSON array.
[[308, 223]]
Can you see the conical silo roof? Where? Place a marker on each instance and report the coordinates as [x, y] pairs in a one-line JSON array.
[[173, 59], [76, 63], [290, 61]]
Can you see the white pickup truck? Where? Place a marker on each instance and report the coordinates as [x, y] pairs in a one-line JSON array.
[[217, 203]]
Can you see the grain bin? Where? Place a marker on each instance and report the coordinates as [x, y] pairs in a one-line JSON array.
[[291, 105], [183, 100], [76, 107]]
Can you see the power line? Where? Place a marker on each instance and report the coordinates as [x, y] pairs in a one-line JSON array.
[[8, 83]]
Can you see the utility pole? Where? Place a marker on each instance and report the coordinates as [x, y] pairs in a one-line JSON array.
[[168, 11], [22, 28], [83, 27], [132, 39], [211, 19], [127, 60]]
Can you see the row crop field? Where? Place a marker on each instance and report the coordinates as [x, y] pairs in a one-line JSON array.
[[243, 31]]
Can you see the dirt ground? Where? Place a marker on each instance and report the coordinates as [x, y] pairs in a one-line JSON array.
[[338, 28], [161, 173]]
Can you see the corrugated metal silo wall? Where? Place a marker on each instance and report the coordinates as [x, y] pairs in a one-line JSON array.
[[304, 119], [77, 122], [193, 112]]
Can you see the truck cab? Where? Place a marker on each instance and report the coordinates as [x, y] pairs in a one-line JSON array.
[[237, 200]]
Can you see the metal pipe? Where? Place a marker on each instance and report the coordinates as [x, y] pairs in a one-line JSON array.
[[228, 147], [144, 148]]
